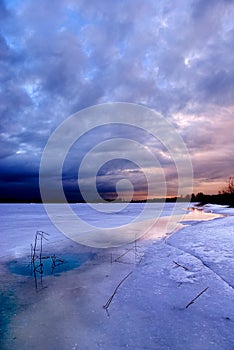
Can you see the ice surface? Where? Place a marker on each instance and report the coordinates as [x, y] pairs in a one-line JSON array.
[[19, 222], [149, 309]]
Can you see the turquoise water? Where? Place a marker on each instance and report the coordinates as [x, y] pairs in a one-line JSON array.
[[62, 263]]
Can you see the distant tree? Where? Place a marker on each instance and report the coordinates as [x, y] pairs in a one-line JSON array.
[[229, 188], [200, 197], [193, 198]]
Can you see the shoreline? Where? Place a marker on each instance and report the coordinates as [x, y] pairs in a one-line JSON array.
[[21, 233]]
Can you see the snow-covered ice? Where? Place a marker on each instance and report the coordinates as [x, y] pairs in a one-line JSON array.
[[149, 309]]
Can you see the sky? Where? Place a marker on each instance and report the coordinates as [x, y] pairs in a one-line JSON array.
[[59, 57]]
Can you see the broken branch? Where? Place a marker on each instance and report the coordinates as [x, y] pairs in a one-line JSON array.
[[179, 265], [197, 296], [106, 306]]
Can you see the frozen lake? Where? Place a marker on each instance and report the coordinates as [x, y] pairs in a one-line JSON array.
[[19, 222], [149, 309]]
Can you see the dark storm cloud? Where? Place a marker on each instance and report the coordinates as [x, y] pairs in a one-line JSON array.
[[219, 87], [19, 179], [83, 53], [7, 148], [3, 10], [57, 57]]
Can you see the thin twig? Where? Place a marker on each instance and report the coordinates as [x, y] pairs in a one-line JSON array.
[[38, 268], [35, 278], [197, 296], [117, 259], [41, 251], [106, 306], [179, 265], [31, 256], [34, 249], [43, 233]]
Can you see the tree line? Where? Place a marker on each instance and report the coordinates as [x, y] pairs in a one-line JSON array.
[[224, 197]]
